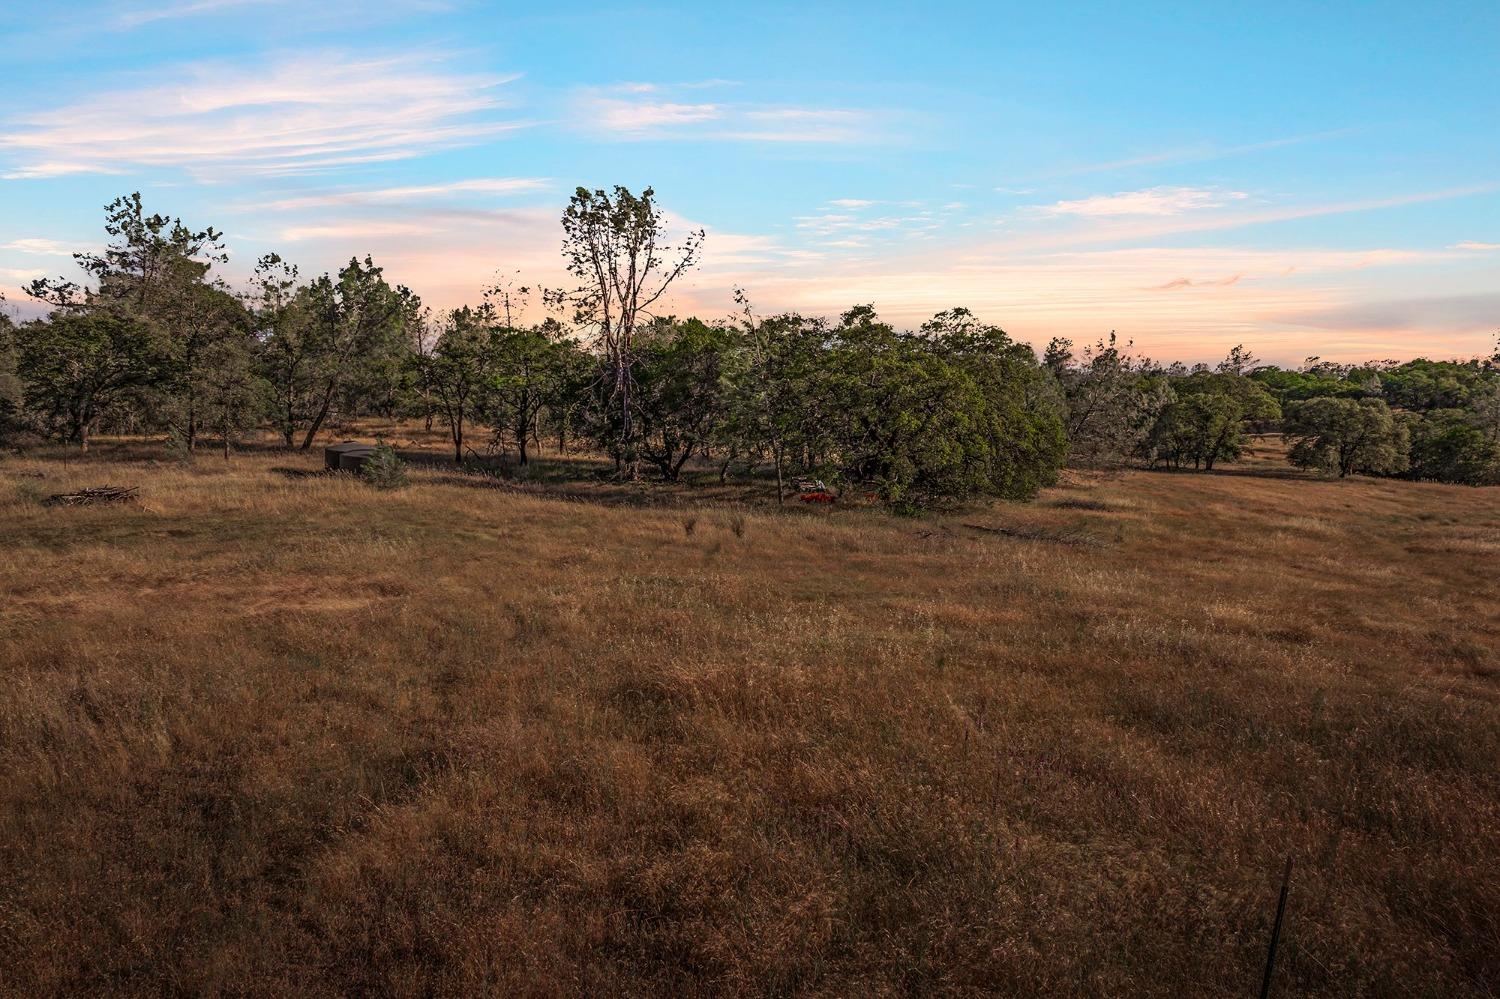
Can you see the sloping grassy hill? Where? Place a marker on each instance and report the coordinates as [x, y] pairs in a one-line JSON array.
[[268, 733]]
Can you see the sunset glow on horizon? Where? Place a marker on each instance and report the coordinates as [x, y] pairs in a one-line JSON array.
[[1302, 181]]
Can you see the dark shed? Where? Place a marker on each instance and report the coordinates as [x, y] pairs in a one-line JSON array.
[[347, 456]]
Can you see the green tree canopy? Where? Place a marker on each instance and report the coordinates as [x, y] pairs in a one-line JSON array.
[[1343, 436]]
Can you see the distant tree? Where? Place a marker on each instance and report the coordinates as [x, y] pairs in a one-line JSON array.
[[682, 394], [1239, 361], [1112, 397], [1207, 421], [10, 384], [772, 410], [954, 412], [281, 317], [155, 270], [460, 367], [1447, 445], [614, 244], [139, 266], [352, 318], [533, 369], [1020, 424], [12, 393], [74, 364], [1484, 407], [576, 371], [1421, 385], [1292, 386], [205, 334], [1343, 436], [233, 393]]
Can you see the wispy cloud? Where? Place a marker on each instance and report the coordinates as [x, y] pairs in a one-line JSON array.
[[850, 229], [355, 231], [493, 186], [21, 273], [644, 118], [1470, 244], [152, 13], [1201, 153], [39, 247], [1086, 229], [804, 125], [1153, 201], [1183, 282], [1473, 315], [295, 115], [165, 12], [637, 111]]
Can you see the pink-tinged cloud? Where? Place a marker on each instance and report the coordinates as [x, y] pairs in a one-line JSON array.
[[492, 186], [295, 115], [1153, 201]]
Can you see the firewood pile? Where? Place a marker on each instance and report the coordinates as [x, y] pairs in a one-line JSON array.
[[94, 494]]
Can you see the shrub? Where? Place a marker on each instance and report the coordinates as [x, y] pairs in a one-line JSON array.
[[384, 469], [177, 448]]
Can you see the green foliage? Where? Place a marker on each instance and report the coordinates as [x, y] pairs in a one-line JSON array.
[[681, 392], [1294, 386], [338, 340], [176, 447], [151, 340], [955, 412], [459, 367], [1422, 385], [384, 469], [534, 371], [1447, 445], [1113, 398], [75, 364], [1207, 419], [772, 413], [1343, 436], [614, 244]]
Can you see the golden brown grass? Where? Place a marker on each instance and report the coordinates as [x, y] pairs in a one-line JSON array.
[[268, 734]]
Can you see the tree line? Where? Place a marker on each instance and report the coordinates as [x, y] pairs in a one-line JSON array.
[[154, 340], [1421, 419]]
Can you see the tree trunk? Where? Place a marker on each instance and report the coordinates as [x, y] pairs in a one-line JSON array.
[[317, 423]]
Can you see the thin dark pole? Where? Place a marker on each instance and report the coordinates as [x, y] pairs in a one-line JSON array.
[[1286, 882]]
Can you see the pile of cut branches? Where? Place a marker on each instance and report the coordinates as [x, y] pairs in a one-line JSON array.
[[94, 494], [1029, 533]]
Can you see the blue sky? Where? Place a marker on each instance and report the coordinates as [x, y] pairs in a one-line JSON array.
[[1306, 178]]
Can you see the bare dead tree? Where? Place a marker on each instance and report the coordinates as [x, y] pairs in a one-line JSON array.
[[615, 245]]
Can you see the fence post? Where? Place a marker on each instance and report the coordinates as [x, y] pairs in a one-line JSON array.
[[1286, 881]]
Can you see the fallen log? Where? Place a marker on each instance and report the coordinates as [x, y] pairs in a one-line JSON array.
[[94, 494], [1041, 534]]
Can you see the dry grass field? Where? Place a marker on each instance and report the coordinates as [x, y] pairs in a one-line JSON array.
[[268, 733]]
